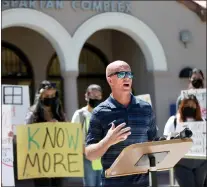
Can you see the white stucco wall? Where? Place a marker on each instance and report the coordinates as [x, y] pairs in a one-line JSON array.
[[165, 19]]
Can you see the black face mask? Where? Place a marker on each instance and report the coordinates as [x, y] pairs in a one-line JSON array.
[[94, 102], [49, 101], [197, 83], [189, 112]]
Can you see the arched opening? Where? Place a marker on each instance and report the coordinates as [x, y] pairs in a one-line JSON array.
[[54, 33], [115, 45], [59, 37], [144, 37], [141, 33], [54, 75], [16, 68], [92, 66]]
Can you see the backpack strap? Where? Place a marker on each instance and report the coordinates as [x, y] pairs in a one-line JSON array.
[[83, 120], [175, 123]]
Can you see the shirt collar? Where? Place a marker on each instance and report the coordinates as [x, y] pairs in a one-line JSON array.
[[113, 103]]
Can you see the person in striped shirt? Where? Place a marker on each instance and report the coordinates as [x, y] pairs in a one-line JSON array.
[[119, 121]]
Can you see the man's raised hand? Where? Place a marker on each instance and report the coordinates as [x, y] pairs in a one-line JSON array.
[[117, 134]]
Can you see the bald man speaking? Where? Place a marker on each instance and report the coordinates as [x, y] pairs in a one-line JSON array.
[[119, 121]]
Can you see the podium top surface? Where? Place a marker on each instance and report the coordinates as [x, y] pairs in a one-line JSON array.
[[131, 160]]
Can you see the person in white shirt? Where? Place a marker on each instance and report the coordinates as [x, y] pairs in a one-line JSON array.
[[92, 170], [188, 172], [196, 81]]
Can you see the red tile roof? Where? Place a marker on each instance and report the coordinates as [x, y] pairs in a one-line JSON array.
[[199, 7]]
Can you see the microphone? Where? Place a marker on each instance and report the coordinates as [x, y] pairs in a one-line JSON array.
[[186, 133]]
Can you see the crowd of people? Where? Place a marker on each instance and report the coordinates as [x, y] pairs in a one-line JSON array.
[[111, 125]]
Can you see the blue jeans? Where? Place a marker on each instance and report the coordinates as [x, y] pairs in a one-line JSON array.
[[92, 178]]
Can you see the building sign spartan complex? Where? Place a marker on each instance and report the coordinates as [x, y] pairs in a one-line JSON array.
[[98, 6]]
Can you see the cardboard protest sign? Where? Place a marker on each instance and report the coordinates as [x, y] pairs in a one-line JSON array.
[[49, 150], [199, 138], [7, 147], [201, 97], [145, 97], [16, 96]]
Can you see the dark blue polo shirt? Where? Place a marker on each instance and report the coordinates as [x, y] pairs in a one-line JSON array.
[[139, 116]]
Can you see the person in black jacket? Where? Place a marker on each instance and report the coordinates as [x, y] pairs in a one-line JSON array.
[[47, 108]]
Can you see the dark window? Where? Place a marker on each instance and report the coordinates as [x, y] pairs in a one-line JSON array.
[[92, 62], [54, 75], [92, 66], [16, 69], [185, 72], [54, 67]]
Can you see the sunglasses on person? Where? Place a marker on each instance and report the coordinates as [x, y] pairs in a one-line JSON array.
[[123, 74], [51, 85]]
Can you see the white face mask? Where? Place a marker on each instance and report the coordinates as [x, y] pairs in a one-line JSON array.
[[190, 119]]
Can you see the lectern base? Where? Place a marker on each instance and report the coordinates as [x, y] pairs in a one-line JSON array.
[[154, 178], [153, 170]]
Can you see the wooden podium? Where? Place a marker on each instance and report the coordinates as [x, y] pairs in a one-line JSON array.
[[149, 157]]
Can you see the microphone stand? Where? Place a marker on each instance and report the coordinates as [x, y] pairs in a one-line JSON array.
[[186, 133]]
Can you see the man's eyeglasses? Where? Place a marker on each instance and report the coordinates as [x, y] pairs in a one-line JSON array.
[[123, 74]]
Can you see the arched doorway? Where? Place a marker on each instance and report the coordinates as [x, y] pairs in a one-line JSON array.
[[59, 38], [92, 66], [54, 75], [141, 33], [16, 68]]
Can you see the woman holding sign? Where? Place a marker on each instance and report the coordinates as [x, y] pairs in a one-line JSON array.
[[47, 108], [196, 81], [188, 172]]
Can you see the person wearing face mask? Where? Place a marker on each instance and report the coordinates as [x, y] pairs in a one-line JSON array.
[[196, 79], [92, 170], [47, 108], [188, 172]]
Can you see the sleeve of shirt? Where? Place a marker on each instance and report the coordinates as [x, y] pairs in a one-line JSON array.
[[169, 126], [152, 132], [95, 132], [76, 117], [29, 119]]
